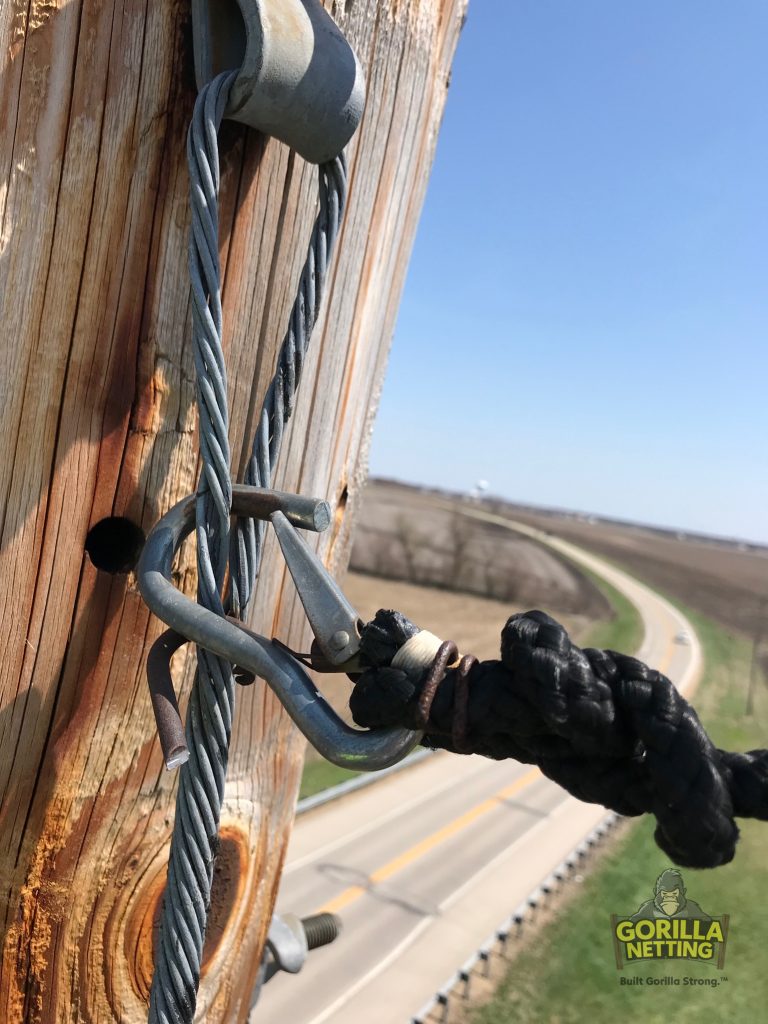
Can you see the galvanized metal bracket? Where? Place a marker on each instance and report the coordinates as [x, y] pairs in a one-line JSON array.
[[299, 79], [287, 942]]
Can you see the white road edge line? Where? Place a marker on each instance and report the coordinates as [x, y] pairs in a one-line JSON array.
[[614, 576], [371, 824], [446, 904]]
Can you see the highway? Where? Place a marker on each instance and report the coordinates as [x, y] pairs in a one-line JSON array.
[[424, 865]]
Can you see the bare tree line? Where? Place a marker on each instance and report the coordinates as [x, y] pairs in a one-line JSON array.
[[460, 558]]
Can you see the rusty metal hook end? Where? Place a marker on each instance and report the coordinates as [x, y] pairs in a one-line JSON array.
[[164, 703]]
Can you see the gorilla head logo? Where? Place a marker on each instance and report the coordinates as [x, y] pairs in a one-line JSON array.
[[670, 900], [670, 892]]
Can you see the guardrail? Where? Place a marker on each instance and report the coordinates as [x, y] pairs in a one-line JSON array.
[[326, 796], [459, 985]]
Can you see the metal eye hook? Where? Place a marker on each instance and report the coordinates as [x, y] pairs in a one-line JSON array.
[[298, 77], [361, 750]]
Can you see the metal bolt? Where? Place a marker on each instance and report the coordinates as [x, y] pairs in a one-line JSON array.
[[339, 640], [321, 929]]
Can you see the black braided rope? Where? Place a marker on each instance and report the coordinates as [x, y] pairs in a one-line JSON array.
[[606, 727]]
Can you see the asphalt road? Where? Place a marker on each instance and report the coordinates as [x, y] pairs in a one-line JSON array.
[[423, 866]]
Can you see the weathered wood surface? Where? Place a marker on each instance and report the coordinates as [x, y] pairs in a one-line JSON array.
[[97, 414]]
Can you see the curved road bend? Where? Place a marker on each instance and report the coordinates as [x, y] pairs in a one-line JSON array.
[[423, 866]]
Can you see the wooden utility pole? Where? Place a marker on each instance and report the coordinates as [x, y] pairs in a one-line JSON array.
[[97, 414]]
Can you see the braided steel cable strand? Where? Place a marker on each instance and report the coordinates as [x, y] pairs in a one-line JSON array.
[[209, 720], [248, 535]]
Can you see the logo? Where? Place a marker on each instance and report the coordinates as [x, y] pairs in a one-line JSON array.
[[670, 926]]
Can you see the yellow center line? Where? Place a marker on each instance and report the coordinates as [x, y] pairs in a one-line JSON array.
[[381, 874], [669, 654]]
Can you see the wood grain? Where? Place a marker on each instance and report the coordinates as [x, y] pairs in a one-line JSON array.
[[97, 416]]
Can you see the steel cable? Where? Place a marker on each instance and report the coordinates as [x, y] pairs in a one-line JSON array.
[[194, 841], [248, 536]]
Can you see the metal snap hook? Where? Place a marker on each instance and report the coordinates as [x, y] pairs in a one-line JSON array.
[[361, 750]]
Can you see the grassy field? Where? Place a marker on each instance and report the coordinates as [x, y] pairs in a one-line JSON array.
[[728, 582], [624, 632], [569, 975], [320, 775]]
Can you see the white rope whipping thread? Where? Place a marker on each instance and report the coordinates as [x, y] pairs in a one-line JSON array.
[[209, 719]]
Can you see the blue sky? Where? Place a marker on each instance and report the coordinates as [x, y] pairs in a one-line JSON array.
[[585, 316]]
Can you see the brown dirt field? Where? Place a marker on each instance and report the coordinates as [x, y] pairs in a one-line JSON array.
[[473, 623], [403, 533], [523, 573], [725, 581]]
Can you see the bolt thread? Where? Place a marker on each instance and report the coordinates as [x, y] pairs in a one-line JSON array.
[[321, 929]]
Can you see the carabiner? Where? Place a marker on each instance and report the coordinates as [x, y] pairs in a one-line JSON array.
[[333, 620]]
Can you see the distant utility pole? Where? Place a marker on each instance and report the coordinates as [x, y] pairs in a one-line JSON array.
[[754, 666]]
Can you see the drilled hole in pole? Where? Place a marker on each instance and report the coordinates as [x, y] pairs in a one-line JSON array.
[[114, 544]]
